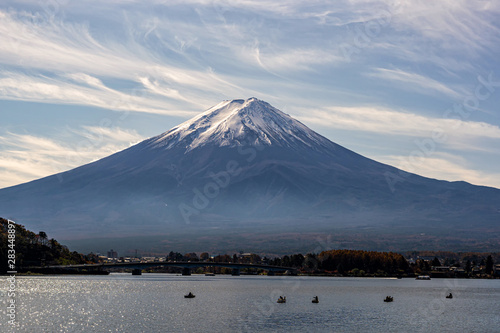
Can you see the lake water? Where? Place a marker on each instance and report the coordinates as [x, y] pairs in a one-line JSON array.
[[155, 303]]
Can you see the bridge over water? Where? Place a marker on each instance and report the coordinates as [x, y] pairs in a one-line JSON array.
[[186, 266]]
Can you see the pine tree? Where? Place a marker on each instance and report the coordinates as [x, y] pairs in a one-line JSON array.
[[468, 266], [489, 265], [435, 262]]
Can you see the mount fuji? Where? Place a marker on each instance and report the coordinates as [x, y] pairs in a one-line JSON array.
[[245, 176]]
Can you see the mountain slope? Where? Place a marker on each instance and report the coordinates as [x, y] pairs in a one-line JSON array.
[[244, 166]]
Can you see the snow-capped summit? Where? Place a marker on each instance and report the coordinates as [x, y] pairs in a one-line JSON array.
[[238, 122]]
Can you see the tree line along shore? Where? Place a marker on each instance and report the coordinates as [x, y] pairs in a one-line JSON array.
[[36, 249]]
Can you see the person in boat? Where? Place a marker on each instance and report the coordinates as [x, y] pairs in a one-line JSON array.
[[282, 299], [449, 296], [315, 299], [190, 295]]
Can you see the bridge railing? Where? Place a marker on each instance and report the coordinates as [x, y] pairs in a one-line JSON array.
[[179, 264]]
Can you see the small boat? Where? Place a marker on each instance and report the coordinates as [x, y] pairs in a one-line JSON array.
[[389, 299], [190, 295], [449, 295], [315, 299], [281, 299], [423, 277]]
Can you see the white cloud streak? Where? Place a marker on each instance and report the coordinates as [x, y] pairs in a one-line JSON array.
[[178, 77], [81, 89], [70, 48], [25, 157], [415, 82], [456, 24], [444, 166], [393, 122]]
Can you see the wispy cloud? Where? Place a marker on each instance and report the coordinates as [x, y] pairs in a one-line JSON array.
[[415, 82], [58, 47], [446, 167], [394, 122], [184, 62], [440, 148], [450, 35], [455, 24], [82, 89], [294, 60], [27, 157]]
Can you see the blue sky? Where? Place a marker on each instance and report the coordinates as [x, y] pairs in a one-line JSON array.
[[412, 84]]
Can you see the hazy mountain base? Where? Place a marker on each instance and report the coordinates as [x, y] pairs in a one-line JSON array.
[[295, 241]]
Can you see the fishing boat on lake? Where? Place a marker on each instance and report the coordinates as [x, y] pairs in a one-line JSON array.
[[281, 299], [190, 295], [389, 299]]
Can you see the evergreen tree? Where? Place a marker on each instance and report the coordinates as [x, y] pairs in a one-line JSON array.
[[435, 262], [489, 265], [468, 266], [43, 237]]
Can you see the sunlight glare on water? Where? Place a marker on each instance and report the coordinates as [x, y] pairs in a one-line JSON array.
[[156, 303]]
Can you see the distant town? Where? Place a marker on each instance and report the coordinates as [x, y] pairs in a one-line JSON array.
[[37, 251], [440, 265]]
